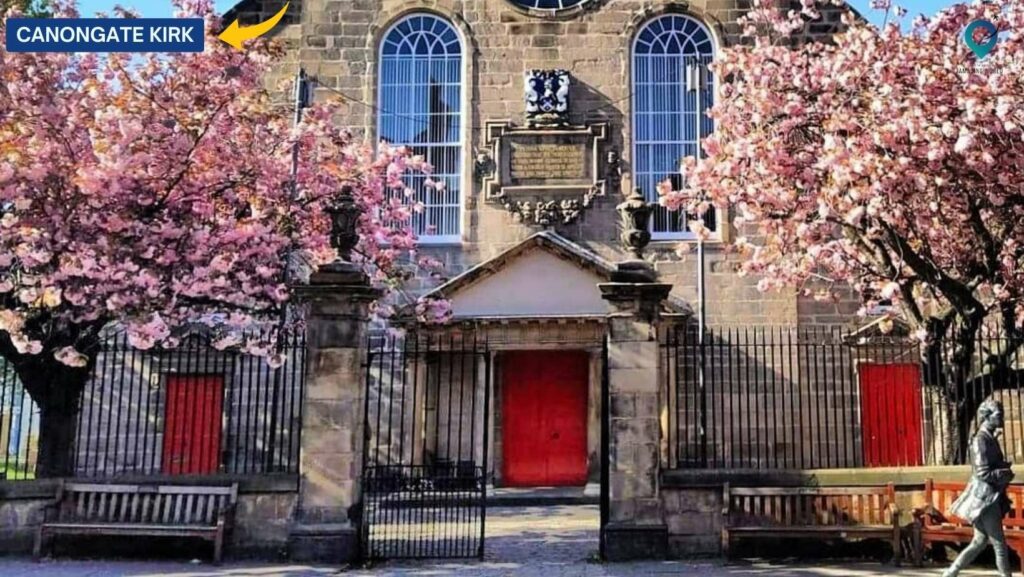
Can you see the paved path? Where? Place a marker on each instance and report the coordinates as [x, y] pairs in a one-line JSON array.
[[521, 542], [524, 568]]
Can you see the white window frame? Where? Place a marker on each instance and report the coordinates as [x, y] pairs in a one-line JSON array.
[[461, 178], [651, 194], [532, 5]]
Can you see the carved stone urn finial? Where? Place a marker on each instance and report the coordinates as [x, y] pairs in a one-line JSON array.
[[344, 215], [636, 217]]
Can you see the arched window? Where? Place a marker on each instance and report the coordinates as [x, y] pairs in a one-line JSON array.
[[420, 85], [672, 91]]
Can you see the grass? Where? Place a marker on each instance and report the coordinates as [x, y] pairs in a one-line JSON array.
[[15, 471]]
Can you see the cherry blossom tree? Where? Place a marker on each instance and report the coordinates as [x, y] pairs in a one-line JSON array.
[[30, 8], [156, 192], [887, 161]]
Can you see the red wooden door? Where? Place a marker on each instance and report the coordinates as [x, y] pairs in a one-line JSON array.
[[544, 410], [192, 424], [890, 400]]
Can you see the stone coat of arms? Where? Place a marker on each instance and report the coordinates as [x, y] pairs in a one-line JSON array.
[[547, 97]]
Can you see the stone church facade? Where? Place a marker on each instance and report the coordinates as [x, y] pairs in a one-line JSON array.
[[624, 63], [540, 117]]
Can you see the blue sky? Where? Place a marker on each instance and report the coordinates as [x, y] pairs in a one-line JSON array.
[[162, 8]]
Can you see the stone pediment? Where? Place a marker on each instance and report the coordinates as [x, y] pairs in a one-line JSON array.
[[545, 276]]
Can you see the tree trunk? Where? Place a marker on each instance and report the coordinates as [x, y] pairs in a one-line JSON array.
[[948, 366], [58, 420], [57, 391]]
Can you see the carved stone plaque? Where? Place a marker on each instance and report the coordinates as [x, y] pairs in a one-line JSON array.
[[545, 175], [533, 162]]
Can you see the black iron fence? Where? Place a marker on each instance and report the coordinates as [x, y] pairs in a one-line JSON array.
[[426, 454], [19, 428], [821, 398], [190, 410]]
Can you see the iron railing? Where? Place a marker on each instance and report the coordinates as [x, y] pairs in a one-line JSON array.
[[822, 398], [19, 428], [426, 453], [190, 410]]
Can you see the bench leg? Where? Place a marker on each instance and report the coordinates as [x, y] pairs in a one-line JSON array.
[[218, 545], [897, 546], [918, 550], [725, 544], [37, 549]]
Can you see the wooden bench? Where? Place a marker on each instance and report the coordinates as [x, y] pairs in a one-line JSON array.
[[811, 512], [934, 524], [145, 510]]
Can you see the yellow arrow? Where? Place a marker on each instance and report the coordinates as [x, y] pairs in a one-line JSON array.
[[235, 35]]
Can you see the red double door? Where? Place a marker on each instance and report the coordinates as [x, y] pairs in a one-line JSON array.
[[192, 424], [544, 412], [890, 404]]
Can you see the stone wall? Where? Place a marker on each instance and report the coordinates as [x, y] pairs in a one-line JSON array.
[[694, 519], [18, 521], [262, 521]]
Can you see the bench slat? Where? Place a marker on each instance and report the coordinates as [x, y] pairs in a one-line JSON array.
[[194, 490], [211, 508], [168, 504], [115, 529], [177, 508], [113, 506], [76, 487], [134, 515], [884, 531], [147, 507], [109, 502], [812, 491], [122, 514]]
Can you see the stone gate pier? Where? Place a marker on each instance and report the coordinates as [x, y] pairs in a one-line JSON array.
[[325, 524]]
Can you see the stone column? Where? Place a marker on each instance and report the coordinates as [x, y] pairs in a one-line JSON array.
[[326, 525], [636, 527]]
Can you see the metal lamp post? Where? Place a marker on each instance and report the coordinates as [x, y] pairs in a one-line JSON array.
[[696, 81]]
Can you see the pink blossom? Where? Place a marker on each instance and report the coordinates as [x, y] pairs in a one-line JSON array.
[[227, 341], [872, 160], [71, 357], [26, 346], [131, 200]]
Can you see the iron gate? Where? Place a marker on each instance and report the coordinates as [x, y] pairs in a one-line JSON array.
[[425, 460]]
